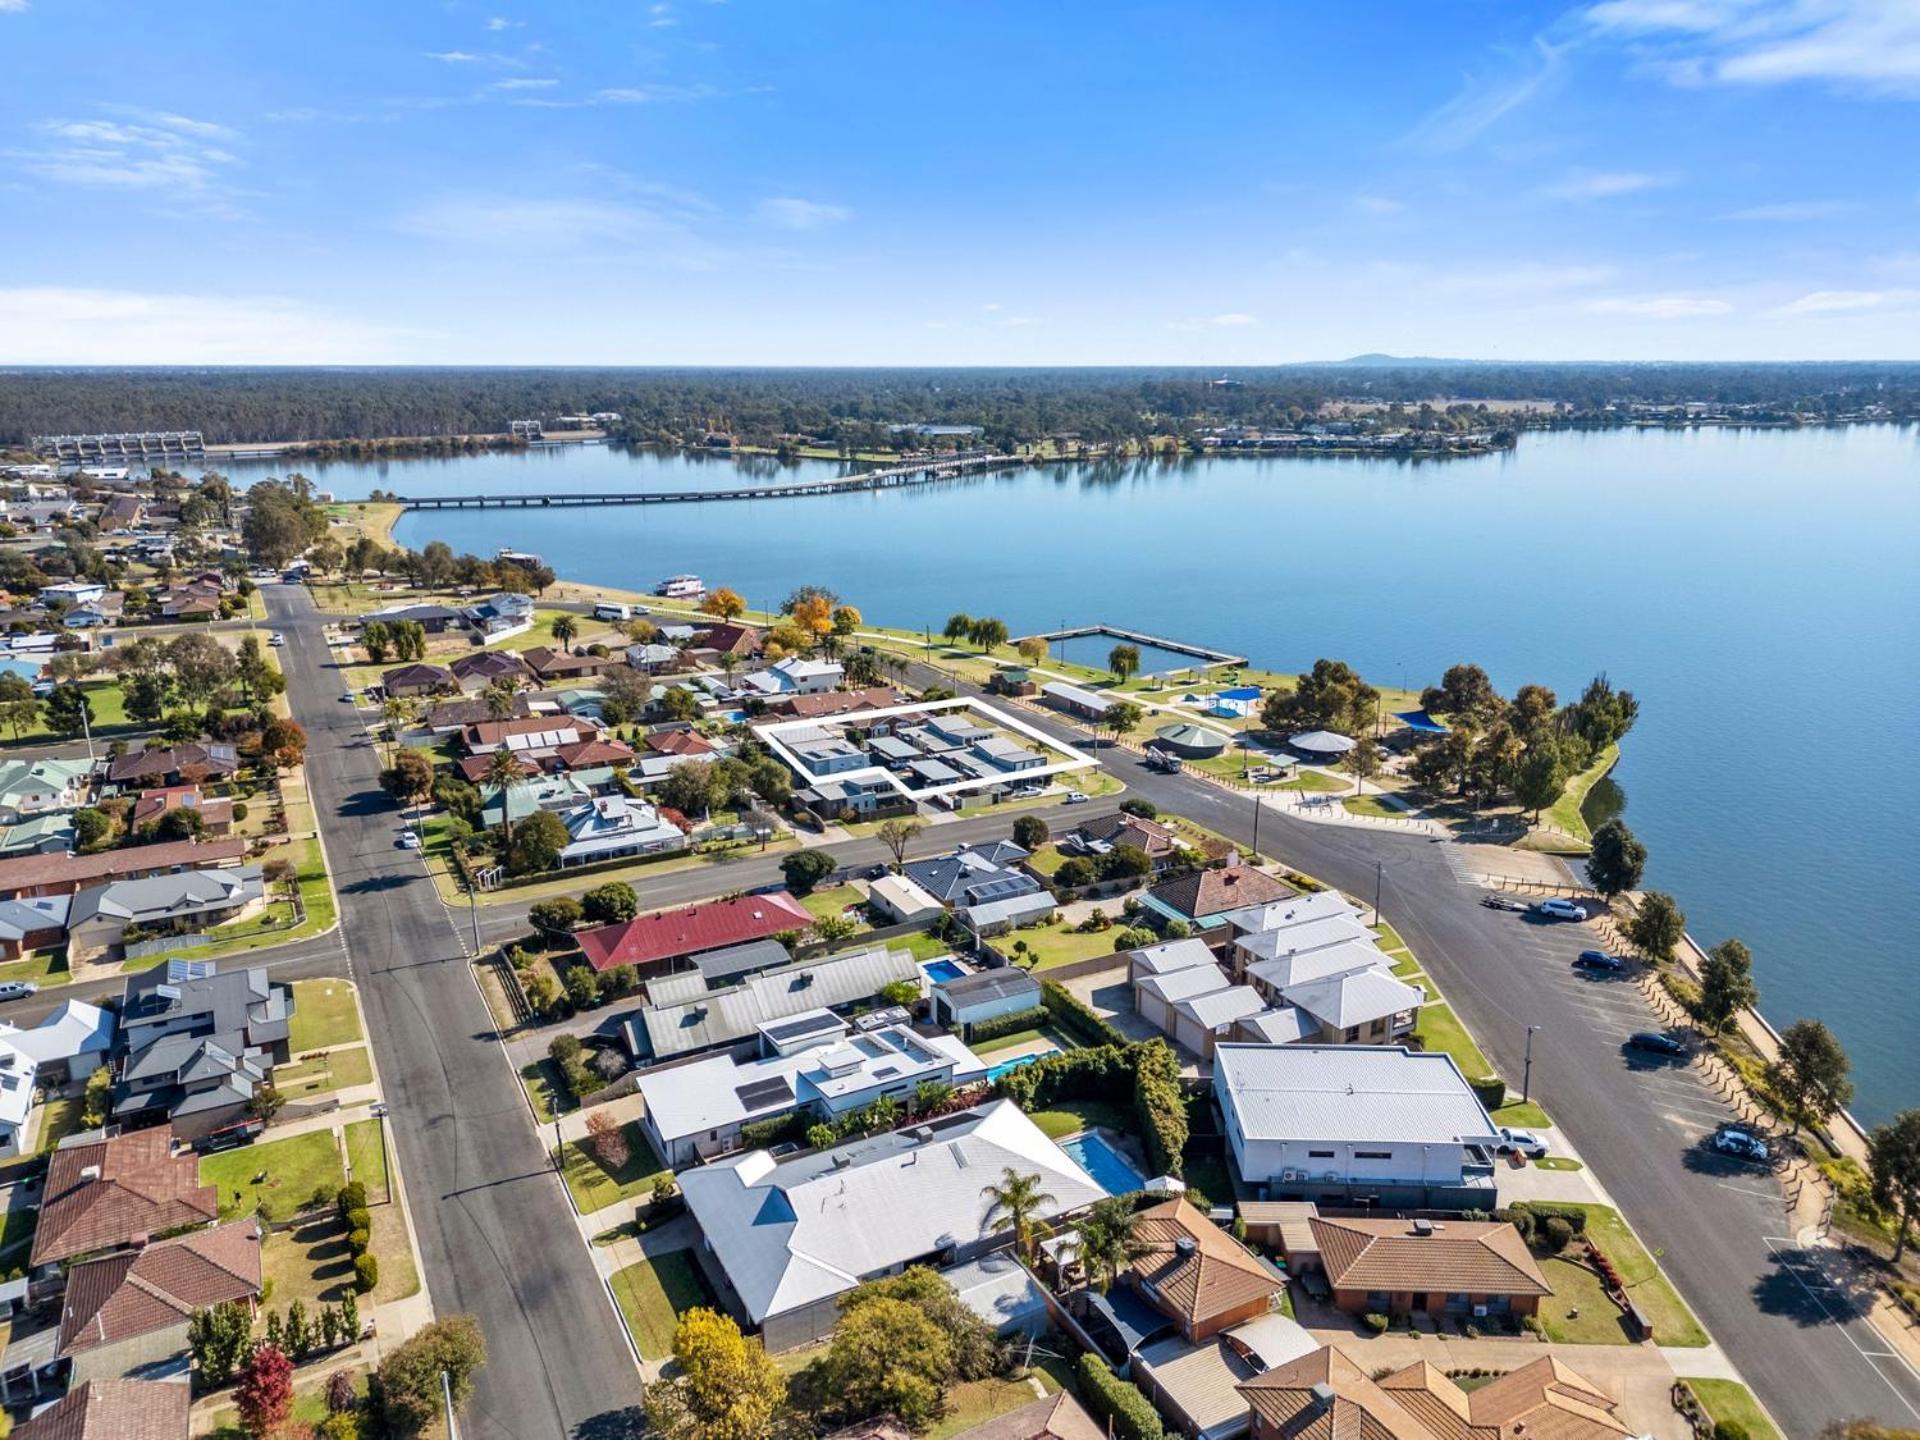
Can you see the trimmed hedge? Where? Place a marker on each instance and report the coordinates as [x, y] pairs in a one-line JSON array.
[[765, 1134], [1076, 1016], [1102, 1072], [1162, 1106], [1008, 1024], [1491, 1090], [1541, 1211], [1119, 1401]]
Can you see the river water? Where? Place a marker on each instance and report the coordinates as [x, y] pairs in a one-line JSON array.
[[1758, 590]]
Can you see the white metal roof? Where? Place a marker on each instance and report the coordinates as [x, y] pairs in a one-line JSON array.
[[1169, 956], [1355, 998], [1222, 1007], [1347, 1092], [1294, 910], [1180, 985]]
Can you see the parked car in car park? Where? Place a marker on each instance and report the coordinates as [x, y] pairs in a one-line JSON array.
[[1497, 901], [1599, 960], [1520, 1142], [1743, 1145], [1555, 908], [1656, 1042]]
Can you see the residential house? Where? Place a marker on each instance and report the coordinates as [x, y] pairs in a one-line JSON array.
[[1344, 1124], [1465, 1269], [1327, 1393], [71, 1041], [535, 738], [198, 1043], [1007, 755], [216, 814], [596, 753], [980, 995], [434, 619], [126, 1315], [795, 675], [1005, 913], [42, 835], [114, 1410], [188, 764], [500, 616], [111, 1192], [728, 639], [683, 743], [786, 1239], [1204, 898], [109, 609], [861, 796], [1293, 910], [1152, 839], [557, 793], [651, 942], [812, 1063], [974, 874], [684, 1015], [70, 592], [827, 705], [450, 717], [417, 680], [474, 673], [651, 657], [553, 665], [1198, 1275], [178, 904], [29, 875], [37, 922], [612, 826], [901, 901], [1187, 953]]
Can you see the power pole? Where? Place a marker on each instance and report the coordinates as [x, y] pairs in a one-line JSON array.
[[1526, 1079]]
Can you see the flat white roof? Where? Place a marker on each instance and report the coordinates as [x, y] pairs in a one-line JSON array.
[[1347, 1092]]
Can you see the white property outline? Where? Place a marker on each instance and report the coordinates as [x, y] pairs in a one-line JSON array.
[[774, 735]]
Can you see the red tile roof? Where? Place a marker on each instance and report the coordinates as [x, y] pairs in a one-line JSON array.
[[136, 1293], [712, 925], [152, 804], [588, 753], [141, 1189], [736, 639], [1213, 892], [681, 742], [838, 702], [1479, 1257], [473, 768], [70, 872], [114, 1410]]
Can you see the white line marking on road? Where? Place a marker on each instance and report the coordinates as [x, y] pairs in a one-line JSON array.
[[1841, 1325]]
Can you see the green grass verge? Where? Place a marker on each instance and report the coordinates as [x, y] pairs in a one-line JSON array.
[[1375, 806], [324, 1014], [1647, 1287], [368, 1157], [1564, 814], [549, 1097], [594, 1186], [279, 1177], [334, 1070], [1732, 1402], [1440, 1029], [45, 968], [1521, 1115], [654, 1294]]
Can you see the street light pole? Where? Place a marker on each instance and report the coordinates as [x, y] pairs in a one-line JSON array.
[[1379, 874], [1256, 828], [1526, 1079]]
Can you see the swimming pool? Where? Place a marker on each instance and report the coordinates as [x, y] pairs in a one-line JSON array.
[[25, 669], [941, 971], [1111, 1170], [994, 1072]]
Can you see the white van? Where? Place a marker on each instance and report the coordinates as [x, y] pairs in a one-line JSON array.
[[608, 610]]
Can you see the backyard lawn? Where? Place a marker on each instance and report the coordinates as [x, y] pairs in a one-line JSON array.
[[975, 1402], [1078, 1115], [1731, 1402], [653, 1294], [278, 1178], [1057, 944], [324, 1014], [922, 946], [823, 903], [594, 1187], [332, 1070]]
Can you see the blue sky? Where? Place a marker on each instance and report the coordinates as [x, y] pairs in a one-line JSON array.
[[830, 182]]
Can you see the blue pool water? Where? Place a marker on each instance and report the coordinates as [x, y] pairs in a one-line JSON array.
[[26, 669], [994, 1072], [1111, 1170], [940, 971]]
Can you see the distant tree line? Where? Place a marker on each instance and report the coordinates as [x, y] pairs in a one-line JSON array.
[[853, 409]]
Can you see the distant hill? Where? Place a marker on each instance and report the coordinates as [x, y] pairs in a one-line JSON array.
[[1378, 361]]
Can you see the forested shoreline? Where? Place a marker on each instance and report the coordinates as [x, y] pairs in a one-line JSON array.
[[856, 407]]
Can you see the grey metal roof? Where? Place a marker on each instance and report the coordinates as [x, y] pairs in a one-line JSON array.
[[721, 965], [1347, 1092], [720, 1017], [982, 986]]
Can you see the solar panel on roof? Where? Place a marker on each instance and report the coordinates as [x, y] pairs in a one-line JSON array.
[[181, 971], [764, 1092], [805, 1025], [1000, 889]]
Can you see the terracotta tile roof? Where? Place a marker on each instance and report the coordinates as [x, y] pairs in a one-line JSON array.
[[72, 871], [152, 804], [838, 702], [114, 1410], [1216, 1276], [1360, 1410], [139, 1292], [681, 742], [733, 639], [1149, 836], [690, 931], [473, 768], [492, 733], [1545, 1401], [547, 661], [588, 753], [1058, 1417], [1212, 892], [1475, 1257], [142, 1188]]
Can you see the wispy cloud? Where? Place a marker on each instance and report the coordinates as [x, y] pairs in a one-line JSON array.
[[661, 17], [51, 326], [560, 226], [497, 23], [1834, 302], [454, 57], [1485, 100], [1529, 277], [650, 94], [790, 212], [1789, 211], [1605, 184], [1378, 205], [525, 82], [1869, 46], [12, 7], [153, 149], [1661, 307]]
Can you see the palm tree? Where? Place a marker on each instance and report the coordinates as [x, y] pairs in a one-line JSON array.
[[563, 628], [396, 712], [1109, 1241], [503, 772], [499, 699], [1015, 1205]]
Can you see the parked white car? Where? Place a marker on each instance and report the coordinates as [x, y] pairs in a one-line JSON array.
[[1558, 909], [1743, 1146], [1520, 1142]]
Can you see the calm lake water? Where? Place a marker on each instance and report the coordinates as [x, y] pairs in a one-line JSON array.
[[1757, 590]]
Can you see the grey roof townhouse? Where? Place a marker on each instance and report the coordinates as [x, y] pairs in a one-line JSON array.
[[197, 1044], [785, 1240], [973, 874], [188, 900], [41, 785]]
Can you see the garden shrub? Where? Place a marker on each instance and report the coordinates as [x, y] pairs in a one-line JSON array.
[[1009, 1024], [1491, 1091], [1558, 1233], [366, 1273], [1130, 1413], [1162, 1107], [1077, 1017], [1375, 1321]]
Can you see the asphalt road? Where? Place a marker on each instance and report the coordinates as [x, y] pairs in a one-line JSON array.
[[496, 1232]]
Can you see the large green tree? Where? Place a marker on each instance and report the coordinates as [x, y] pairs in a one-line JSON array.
[[1331, 696], [1657, 926], [1893, 1155], [888, 1358], [1810, 1077], [410, 1377], [1726, 984], [537, 843], [67, 710], [722, 1386], [1617, 860]]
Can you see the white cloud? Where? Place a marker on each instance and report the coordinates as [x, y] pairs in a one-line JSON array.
[[1788, 211], [1381, 205], [561, 226], [661, 17], [651, 94], [1661, 307], [55, 326], [157, 149], [1831, 302], [1483, 102], [454, 57], [790, 212], [12, 7], [498, 23], [524, 82], [1603, 184], [1866, 45]]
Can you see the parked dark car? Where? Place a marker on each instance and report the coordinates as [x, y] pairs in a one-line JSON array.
[[1654, 1042], [1599, 960], [231, 1138]]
